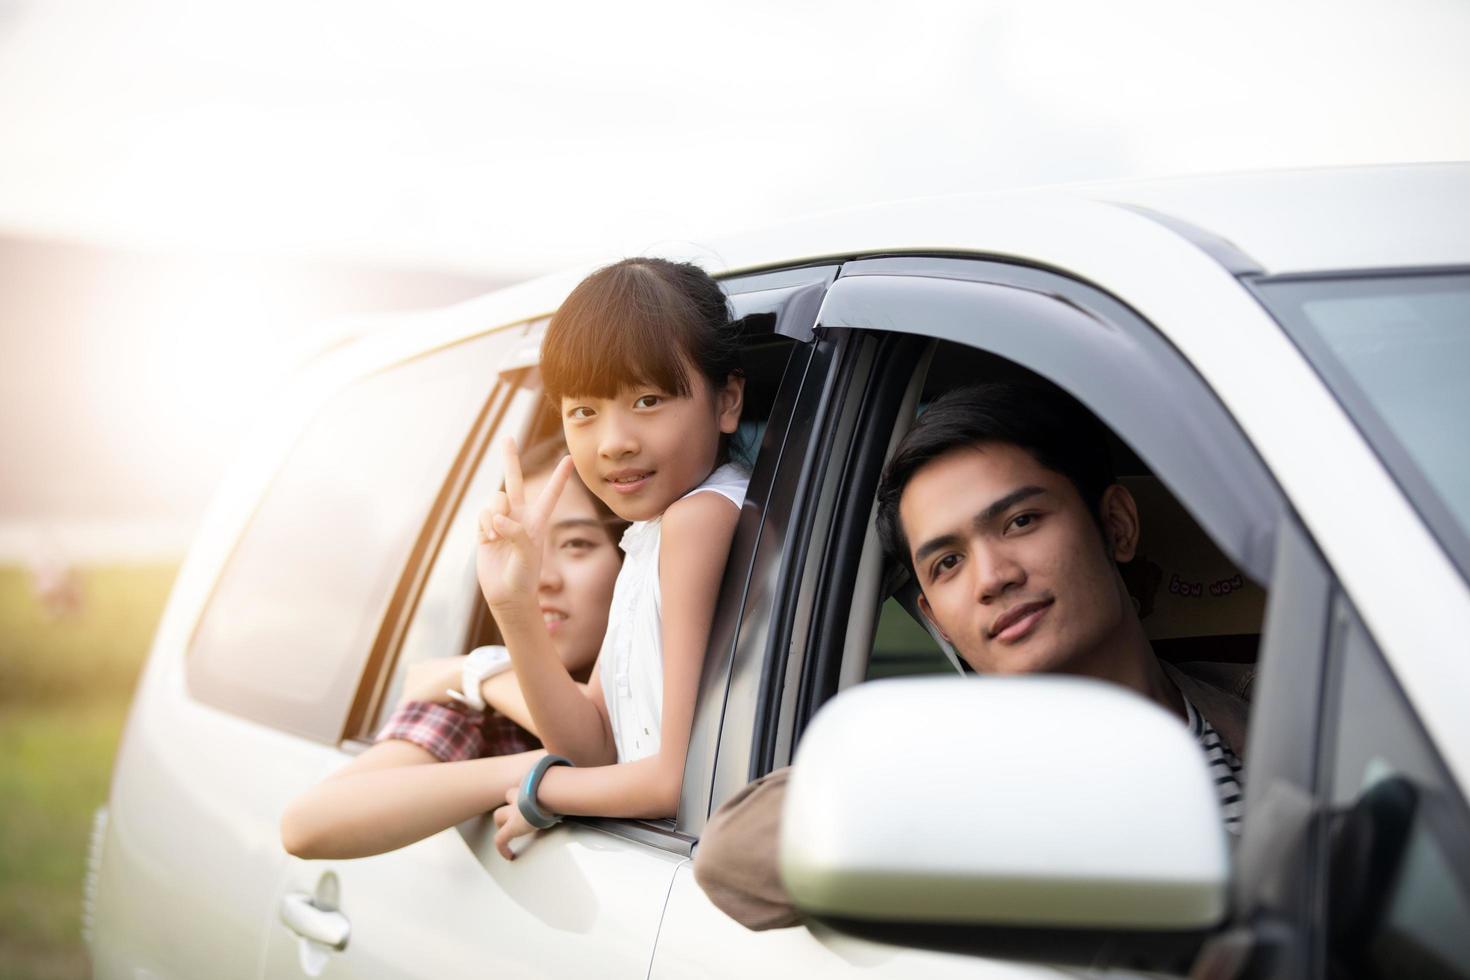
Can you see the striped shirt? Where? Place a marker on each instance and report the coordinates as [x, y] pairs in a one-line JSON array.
[[1225, 767]]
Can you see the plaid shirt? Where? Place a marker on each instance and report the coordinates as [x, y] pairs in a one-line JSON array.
[[451, 733]]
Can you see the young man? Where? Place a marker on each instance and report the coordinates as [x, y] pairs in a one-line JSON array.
[[1002, 503]]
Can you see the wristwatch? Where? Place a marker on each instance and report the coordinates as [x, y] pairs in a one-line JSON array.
[[482, 663], [526, 799]]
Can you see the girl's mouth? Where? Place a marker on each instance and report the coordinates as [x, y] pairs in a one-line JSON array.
[[628, 481], [554, 619]]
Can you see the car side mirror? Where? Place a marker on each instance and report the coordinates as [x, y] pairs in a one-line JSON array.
[[1047, 818]]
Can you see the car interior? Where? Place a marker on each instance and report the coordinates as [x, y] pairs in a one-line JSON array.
[[1195, 605]]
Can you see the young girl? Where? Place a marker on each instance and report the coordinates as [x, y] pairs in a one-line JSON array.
[[388, 796], [642, 361]]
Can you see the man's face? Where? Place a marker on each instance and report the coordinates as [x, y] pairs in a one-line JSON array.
[[1013, 568]]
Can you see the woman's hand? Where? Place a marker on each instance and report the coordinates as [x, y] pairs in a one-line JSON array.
[[508, 560], [510, 823], [431, 680]]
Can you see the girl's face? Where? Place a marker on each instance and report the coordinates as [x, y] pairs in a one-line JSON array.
[[644, 449], [578, 568]]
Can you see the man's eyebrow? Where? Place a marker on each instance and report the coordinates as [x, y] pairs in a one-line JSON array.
[[987, 515], [935, 544], [1006, 503]]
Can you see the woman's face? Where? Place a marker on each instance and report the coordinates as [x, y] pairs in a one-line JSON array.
[[578, 568]]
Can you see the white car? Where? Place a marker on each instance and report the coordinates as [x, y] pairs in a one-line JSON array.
[[1285, 360]]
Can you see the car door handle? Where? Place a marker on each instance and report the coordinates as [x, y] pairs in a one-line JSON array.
[[304, 917]]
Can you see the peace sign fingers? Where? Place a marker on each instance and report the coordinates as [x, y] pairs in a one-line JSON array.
[[540, 512], [515, 486]]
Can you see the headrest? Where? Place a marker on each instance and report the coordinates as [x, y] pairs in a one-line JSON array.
[[1184, 585]]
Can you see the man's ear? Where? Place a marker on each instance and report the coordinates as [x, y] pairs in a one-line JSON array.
[[929, 615], [729, 401], [1119, 512]]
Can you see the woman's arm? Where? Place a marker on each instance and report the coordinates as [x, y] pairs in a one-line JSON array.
[[503, 693], [695, 542], [385, 800]]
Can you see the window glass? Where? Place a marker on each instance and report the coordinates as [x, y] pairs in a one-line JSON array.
[[901, 647], [1395, 350], [1398, 903], [300, 602], [446, 610]]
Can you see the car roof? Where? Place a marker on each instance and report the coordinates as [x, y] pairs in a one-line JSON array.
[[1272, 223]]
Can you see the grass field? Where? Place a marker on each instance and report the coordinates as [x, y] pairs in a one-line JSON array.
[[64, 692]]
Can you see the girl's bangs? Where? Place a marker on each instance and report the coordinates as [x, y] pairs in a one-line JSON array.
[[604, 340]]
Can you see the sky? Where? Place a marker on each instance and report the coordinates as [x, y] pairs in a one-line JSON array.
[[501, 139], [187, 186]]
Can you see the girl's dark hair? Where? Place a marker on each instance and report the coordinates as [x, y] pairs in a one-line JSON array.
[[640, 321], [1051, 425]]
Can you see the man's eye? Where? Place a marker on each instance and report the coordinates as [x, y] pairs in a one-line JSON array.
[[1023, 521], [647, 401], [944, 564]]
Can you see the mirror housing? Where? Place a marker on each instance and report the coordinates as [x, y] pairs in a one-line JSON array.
[[1053, 814]]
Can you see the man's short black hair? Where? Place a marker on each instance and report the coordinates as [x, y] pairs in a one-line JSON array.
[[1040, 418]]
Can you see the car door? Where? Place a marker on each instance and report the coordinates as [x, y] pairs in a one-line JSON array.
[[255, 669], [821, 637], [588, 895]]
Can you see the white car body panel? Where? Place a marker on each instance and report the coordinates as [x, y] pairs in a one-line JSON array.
[[699, 942], [451, 906]]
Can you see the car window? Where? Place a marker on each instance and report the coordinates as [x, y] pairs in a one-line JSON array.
[[903, 648], [1398, 891], [1194, 603], [298, 606], [446, 615], [1395, 350]]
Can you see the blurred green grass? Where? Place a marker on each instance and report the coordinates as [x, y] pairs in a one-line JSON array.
[[65, 685]]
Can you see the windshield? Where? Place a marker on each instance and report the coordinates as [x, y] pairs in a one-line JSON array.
[[1395, 349]]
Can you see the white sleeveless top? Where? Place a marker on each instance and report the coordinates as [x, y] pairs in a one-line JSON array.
[[632, 655]]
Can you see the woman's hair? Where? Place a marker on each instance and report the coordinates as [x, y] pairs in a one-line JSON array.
[[640, 321], [540, 458]]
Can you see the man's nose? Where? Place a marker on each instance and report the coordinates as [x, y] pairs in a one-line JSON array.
[[995, 572]]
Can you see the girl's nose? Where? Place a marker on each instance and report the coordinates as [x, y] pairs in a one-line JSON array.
[[618, 439]]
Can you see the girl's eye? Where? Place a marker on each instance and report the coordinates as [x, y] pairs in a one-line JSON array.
[[647, 401], [580, 412]]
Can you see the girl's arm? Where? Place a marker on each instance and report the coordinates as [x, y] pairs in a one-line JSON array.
[[570, 720], [387, 799], [695, 542]]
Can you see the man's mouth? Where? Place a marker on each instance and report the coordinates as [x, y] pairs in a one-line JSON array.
[[1017, 622], [627, 481]]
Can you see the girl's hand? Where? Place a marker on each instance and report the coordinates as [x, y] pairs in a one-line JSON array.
[[512, 825], [508, 560]]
